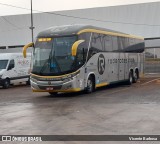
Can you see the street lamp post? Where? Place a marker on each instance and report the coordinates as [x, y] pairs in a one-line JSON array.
[[32, 27]]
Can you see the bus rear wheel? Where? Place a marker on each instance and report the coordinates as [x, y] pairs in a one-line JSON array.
[[130, 79], [135, 77], [90, 85]]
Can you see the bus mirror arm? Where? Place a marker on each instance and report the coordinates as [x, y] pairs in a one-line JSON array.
[[75, 47], [25, 49]]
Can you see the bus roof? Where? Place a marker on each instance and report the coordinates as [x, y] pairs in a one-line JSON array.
[[66, 30]]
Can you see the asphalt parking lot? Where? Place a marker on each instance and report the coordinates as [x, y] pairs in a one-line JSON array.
[[112, 110]]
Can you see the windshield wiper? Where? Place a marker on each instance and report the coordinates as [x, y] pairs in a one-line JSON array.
[[43, 67], [49, 61], [56, 65]]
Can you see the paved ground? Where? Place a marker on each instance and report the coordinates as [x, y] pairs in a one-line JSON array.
[[112, 110]]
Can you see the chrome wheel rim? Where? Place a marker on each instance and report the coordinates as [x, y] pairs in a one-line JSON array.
[[131, 79], [89, 85], [135, 76], [6, 83]]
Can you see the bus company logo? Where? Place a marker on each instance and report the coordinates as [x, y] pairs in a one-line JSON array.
[[101, 64]]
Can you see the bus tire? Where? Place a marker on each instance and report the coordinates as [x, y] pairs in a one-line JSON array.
[[130, 78], [90, 85], [6, 83], [53, 93], [135, 77]]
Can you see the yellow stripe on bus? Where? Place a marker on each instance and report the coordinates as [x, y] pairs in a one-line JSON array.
[[109, 33], [102, 84], [54, 76]]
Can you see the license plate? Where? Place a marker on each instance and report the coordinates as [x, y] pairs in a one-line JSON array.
[[49, 88]]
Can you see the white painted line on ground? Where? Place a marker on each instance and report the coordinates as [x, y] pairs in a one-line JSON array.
[[114, 92], [152, 73], [150, 81], [119, 90], [110, 93]]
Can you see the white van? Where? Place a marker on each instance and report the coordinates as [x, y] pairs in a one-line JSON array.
[[14, 68]]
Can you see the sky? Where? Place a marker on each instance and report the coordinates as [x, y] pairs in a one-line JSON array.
[[59, 5]]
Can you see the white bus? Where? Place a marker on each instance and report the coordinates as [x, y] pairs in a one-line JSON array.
[[82, 57]]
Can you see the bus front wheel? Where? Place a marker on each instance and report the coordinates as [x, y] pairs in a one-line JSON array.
[[90, 85]]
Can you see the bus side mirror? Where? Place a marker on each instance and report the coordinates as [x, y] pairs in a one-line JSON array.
[[75, 47], [25, 49]]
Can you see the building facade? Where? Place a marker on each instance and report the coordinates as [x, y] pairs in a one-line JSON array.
[[137, 19]]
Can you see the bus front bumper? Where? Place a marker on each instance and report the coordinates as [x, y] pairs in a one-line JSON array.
[[54, 86]]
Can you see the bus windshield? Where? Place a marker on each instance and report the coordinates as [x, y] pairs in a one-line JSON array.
[[3, 64], [53, 57]]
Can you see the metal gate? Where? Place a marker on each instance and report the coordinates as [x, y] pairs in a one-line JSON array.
[[152, 60]]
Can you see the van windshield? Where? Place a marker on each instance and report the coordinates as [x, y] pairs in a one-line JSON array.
[[3, 64]]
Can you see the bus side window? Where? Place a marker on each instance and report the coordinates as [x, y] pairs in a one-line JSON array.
[[126, 43], [96, 44], [86, 37], [107, 43], [96, 41], [115, 43], [92, 51], [131, 41], [121, 43]]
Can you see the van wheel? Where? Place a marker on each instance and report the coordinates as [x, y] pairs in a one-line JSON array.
[[135, 77], [53, 93], [6, 84], [90, 85], [28, 82], [130, 79]]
